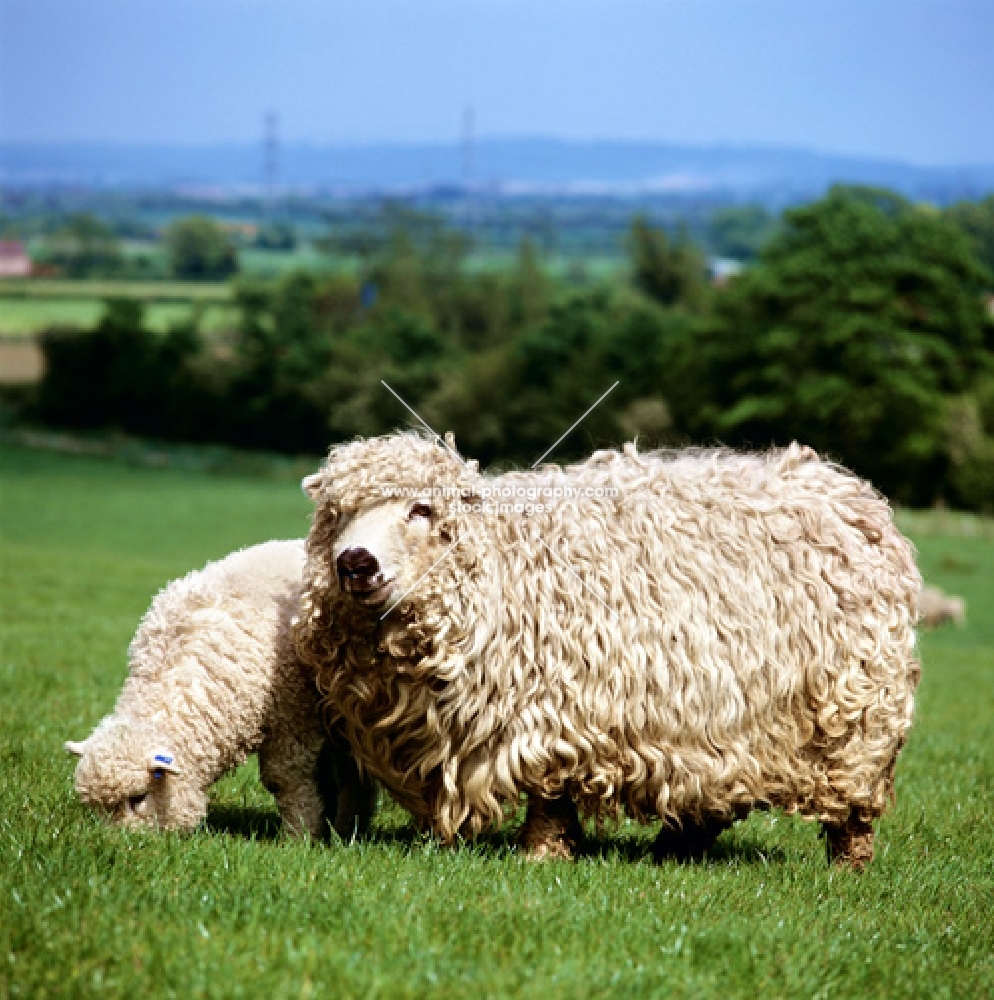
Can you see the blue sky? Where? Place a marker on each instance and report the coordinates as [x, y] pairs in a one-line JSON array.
[[901, 79]]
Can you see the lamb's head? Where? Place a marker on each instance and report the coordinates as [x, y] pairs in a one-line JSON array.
[[130, 775], [387, 510]]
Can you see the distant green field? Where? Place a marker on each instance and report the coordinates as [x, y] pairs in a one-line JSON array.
[[28, 317], [557, 264], [271, 262], [148, 291], [25, 317], [234, 910], [27, 308]]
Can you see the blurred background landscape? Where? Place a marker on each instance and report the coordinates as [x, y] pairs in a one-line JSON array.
[[766, 223]]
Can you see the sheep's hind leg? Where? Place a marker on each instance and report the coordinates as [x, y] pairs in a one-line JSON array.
[[850, 844], [551, 829], [689, 842]]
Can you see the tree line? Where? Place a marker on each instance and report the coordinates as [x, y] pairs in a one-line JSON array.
[[862, 328]]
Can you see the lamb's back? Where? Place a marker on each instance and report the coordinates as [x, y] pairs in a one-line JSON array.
[[213, 641]]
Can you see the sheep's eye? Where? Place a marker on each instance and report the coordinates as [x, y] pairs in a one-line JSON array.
[[419, 510], [135, 800]]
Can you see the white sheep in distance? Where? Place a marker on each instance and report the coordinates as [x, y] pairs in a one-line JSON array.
[[939, 608], [685, 635], [213, 678]]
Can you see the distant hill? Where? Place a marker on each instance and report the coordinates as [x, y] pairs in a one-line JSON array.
[[509, 165]]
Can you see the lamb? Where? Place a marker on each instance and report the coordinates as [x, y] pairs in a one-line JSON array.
[[213, 678], [686, 636]]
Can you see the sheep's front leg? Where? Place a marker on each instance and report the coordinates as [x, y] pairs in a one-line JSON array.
[[850, 844], [551, 829], [350, 797]]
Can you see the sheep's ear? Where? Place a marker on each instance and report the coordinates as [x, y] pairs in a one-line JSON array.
[[311, 485], [76, 749], [163, 760]]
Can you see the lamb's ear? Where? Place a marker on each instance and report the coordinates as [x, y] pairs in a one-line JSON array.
[[163, 760], [77, 749], [310, 485]]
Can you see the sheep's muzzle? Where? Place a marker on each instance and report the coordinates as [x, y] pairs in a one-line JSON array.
[[360, 575]]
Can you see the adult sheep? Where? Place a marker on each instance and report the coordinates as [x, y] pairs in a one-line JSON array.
[[213, 677], [685, 635], [937, 608]]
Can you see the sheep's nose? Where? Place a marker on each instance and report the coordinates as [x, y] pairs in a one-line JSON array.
[[357, 562]]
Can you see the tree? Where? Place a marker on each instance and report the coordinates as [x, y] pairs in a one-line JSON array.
[[864, 316], [283, 349], [670, 271], [276, 234], [740, 232], [976, 219], [419, 267], [85, 248], [200, 250], [513, 400], [530, 291], [120, 374]]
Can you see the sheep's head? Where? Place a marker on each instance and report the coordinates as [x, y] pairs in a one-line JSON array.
[[387, 510], [381, 552], [128, 774]]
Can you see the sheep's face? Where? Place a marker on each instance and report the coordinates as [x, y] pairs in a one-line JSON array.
[[129, 777], [380, 552]]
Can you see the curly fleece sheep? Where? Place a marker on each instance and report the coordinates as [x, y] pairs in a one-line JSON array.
[[213, 678], [685, 635]]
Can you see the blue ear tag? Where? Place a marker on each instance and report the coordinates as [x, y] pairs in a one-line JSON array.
[[162, 758]]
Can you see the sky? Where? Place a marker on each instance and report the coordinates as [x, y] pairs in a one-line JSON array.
[[909, 80]]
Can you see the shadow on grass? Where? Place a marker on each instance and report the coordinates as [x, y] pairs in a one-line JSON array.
[[408, 837], [729, 848], [736, 846], [733, 847], [243, 821]]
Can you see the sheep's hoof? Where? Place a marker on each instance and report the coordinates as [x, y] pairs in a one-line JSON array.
[[691, 841], [851, 844], [556, 850], [552, 830]]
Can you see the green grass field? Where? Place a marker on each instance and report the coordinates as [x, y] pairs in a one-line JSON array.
[[27, 317], [234, 910], [29, 307], [150, 291]]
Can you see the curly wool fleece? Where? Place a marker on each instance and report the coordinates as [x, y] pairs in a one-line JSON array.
[[689, 636], [213, 678]]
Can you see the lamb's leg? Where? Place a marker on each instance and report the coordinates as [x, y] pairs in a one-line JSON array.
[[552, 828], [850, 844], [290, 760], [288, 768], [691, 841]]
